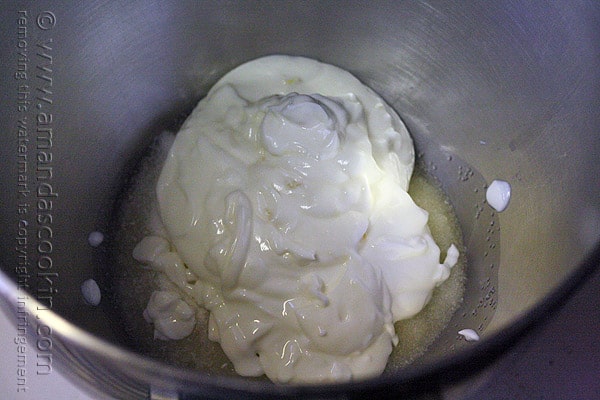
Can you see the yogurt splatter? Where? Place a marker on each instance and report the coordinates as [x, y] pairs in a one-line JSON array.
[[498, 195], [91, 292]]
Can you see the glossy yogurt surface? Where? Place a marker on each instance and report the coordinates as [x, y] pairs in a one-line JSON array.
[[283, 211]]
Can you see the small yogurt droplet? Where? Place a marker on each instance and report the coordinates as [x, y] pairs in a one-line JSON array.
[[91, 292], [498, 195], [469, 334], [95, 238]]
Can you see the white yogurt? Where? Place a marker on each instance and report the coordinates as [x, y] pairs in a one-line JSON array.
[[172, 317], [469, 334], [498, 195], [95, 238], [91, 292], [284, 203]]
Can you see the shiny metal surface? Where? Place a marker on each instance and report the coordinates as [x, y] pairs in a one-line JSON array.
[[489, 90]]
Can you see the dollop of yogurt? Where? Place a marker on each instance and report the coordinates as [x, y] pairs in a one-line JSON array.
[[498, 194], [285, 206]]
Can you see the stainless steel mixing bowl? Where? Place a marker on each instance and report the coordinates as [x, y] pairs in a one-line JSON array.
[[490, 90]]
